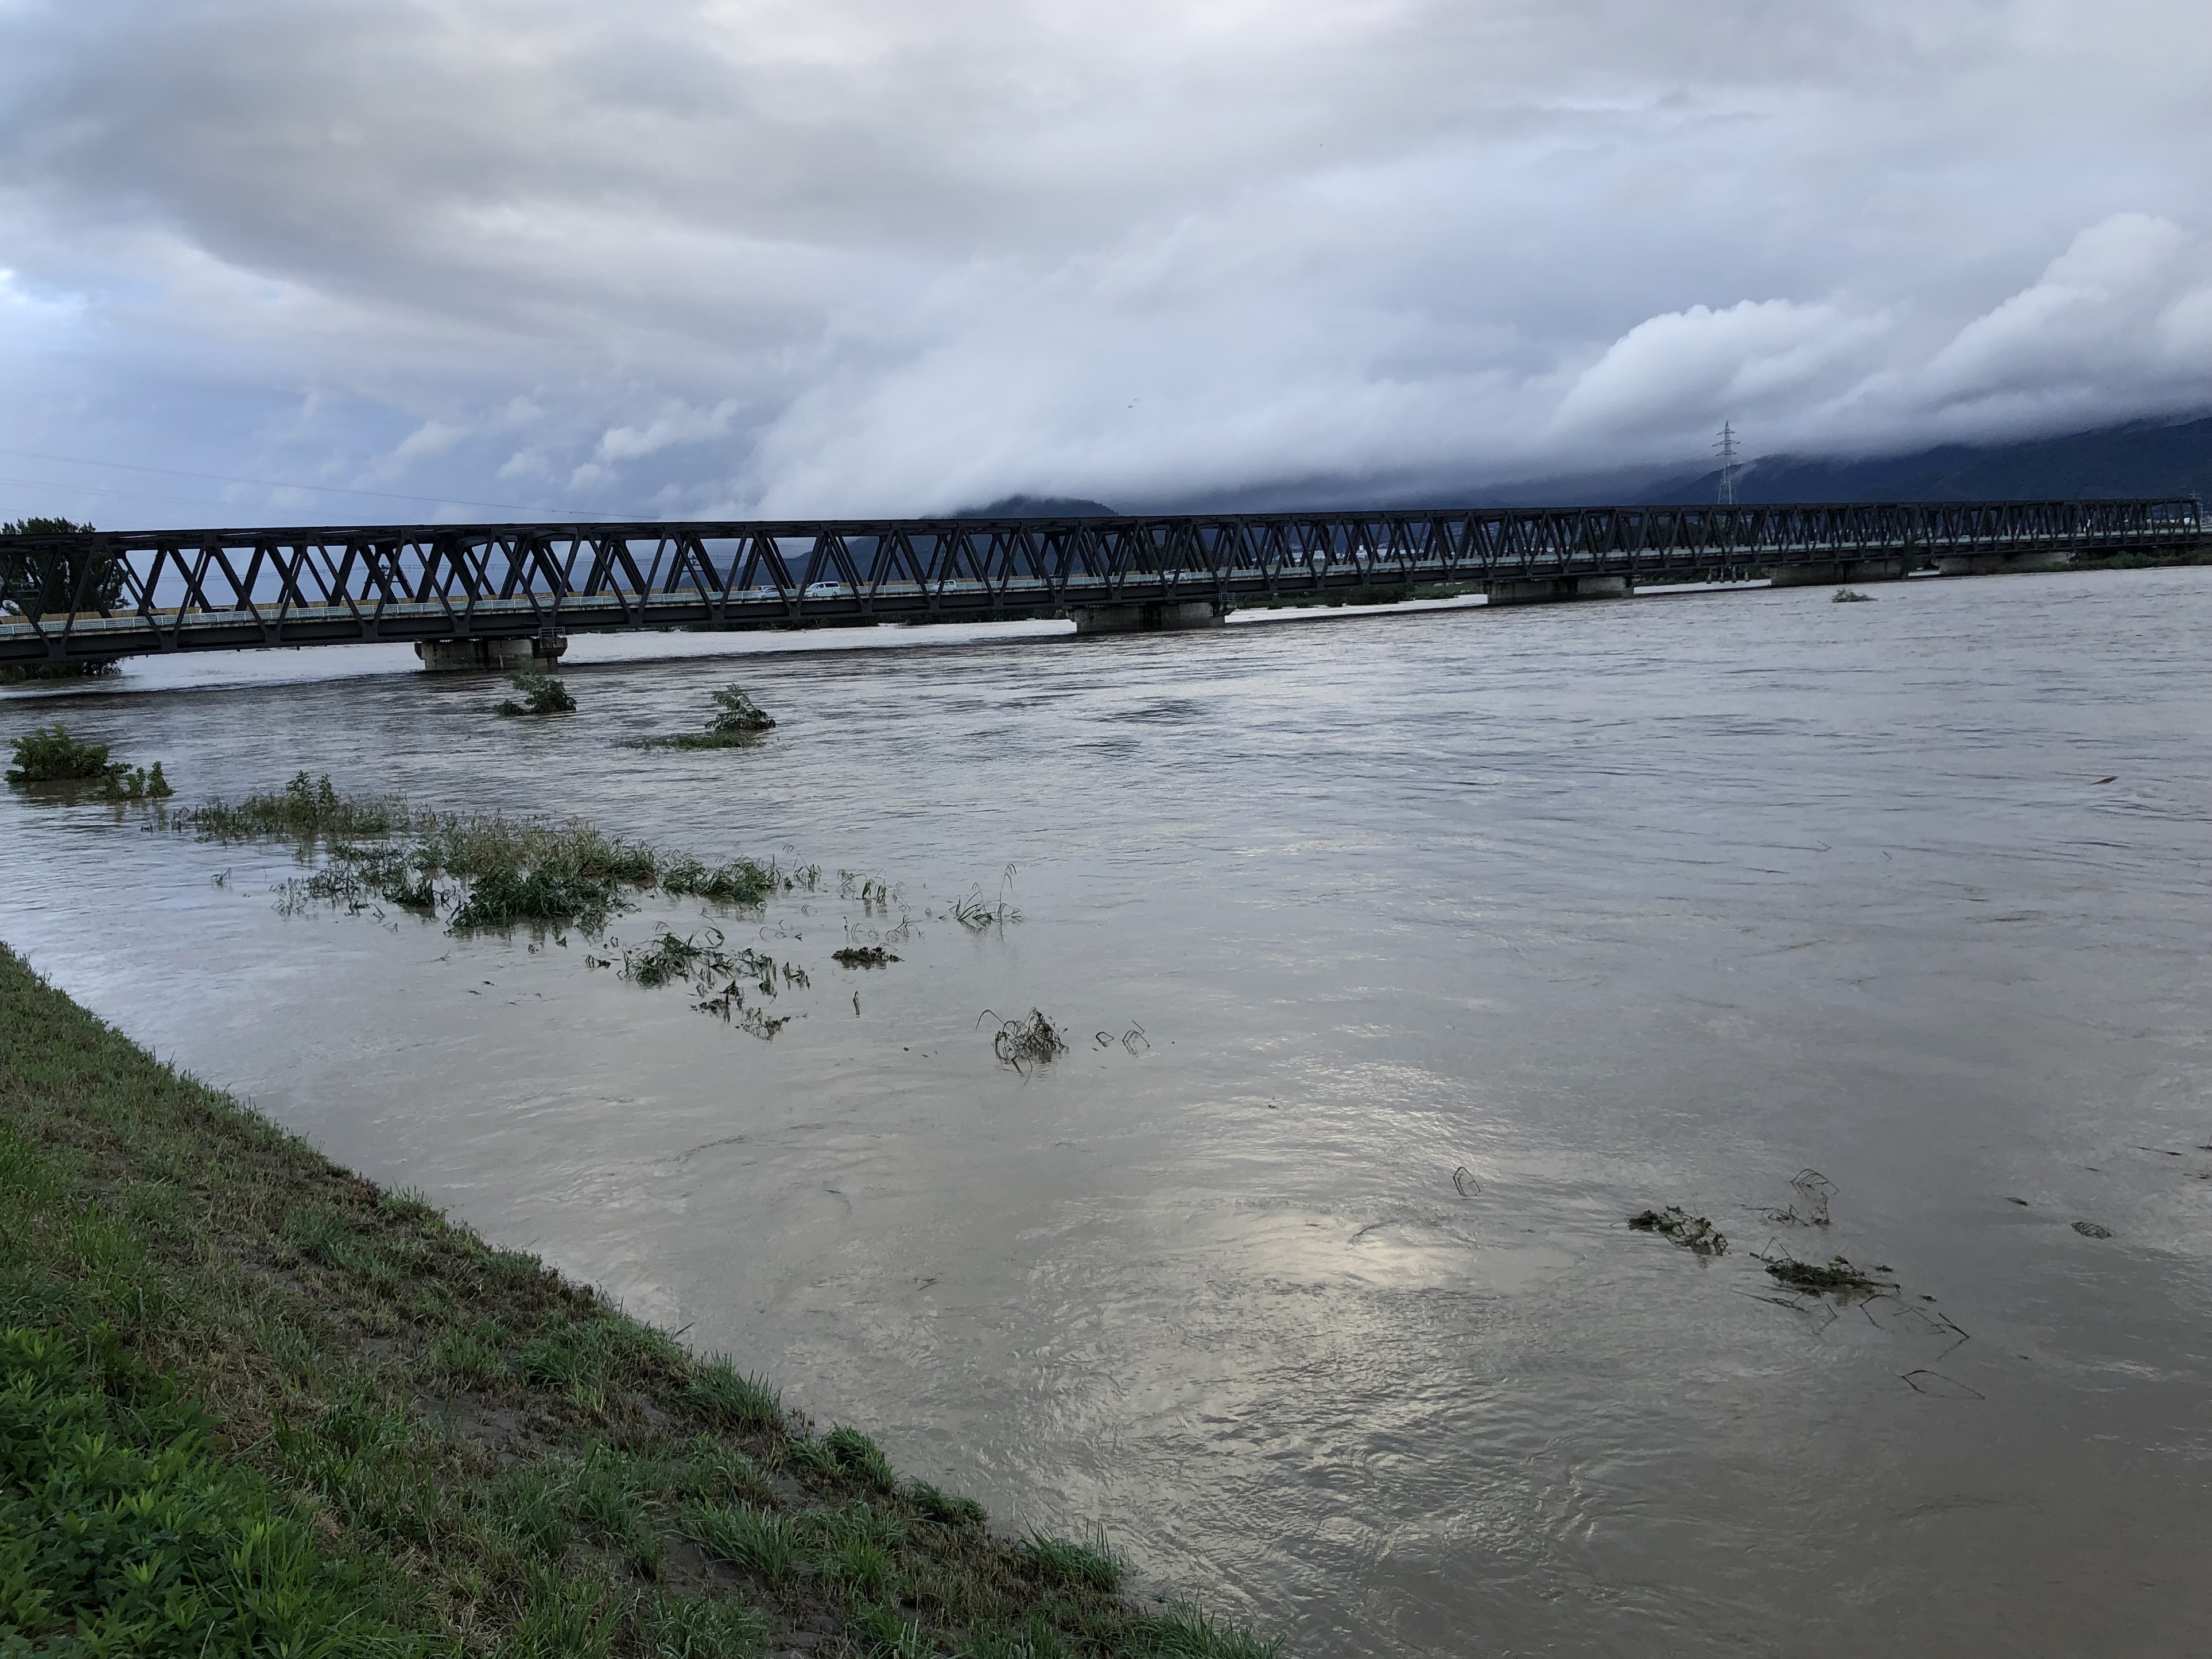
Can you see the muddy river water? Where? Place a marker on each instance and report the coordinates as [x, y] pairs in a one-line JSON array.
[[1453, 940]]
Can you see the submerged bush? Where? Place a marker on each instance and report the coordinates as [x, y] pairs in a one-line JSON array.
[[736, 722], [736, 712], [47, 753], [541, 694]]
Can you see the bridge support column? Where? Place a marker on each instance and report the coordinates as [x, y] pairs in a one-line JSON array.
[[1159, 615], [456, 656], [1835, 572], [1993, 564], [1556, 590]]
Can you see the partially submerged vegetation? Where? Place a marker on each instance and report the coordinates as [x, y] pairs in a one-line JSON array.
[[1852, 596], [252, 1403], [49, 755], [1835, 1274], [488, 873], [79, 668], [1025, 1043], [1691, 1232], [720, 978], [541, 694], [737, 723], [500, 872]]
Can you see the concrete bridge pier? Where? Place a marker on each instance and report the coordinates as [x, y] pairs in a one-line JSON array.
[[1838, 572], [1156, 616], [1555, 590], [1993, 564], [502, 656]]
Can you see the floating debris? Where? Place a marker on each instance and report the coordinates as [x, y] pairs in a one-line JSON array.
[[1691, 1232], [1130, 1039], [1837, 1275], [862, 956], [2091, 1230], [1463, 1179], [1852, 596]]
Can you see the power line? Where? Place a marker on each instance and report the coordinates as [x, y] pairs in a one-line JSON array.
[[276, 484]]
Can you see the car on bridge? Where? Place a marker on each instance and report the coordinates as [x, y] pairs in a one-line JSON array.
[[824, 591]]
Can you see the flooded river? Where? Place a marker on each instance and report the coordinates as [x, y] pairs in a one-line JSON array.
[[1453, 939]]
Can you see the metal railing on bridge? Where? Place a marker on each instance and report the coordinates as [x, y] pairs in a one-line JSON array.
[[97, 596]]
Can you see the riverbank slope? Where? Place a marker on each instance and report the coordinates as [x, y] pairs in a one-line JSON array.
[[248, 1399]]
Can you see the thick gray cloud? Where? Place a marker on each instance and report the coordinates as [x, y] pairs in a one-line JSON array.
[[769, 256]]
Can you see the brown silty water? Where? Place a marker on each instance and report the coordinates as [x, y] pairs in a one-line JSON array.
[[1454, 941]]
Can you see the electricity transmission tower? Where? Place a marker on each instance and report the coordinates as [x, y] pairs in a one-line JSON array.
[[1727, 451]]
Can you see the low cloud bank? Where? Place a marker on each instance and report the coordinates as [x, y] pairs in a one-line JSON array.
[[858, 257]]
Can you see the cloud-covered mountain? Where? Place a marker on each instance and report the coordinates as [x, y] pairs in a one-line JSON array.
[[2139, 460], [262, 261]]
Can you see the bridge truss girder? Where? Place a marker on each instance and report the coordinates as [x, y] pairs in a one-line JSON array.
[[99, 596]]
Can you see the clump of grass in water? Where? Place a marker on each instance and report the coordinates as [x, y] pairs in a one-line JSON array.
[[862, 956], [1852, 596], [1027, 1043], [668, 957], [743, 882], [541, 694], [518, 871], [304, 810], [1837, 1275], [671, 957], [977, 916], [508, 895], [1691, 1232]]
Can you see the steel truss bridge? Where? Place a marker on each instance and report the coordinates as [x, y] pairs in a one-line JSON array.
[[95, 596]]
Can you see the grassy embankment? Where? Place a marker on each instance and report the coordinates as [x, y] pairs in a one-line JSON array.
[[249, 1403]]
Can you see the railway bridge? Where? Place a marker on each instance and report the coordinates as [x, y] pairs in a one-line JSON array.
[[504, 594]]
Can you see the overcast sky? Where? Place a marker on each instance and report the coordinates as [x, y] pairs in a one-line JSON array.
[[724, 258]]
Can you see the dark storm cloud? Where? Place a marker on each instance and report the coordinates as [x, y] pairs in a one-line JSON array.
[[857, 255]]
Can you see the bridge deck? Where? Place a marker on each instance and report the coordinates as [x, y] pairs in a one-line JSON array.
[[102, 596]]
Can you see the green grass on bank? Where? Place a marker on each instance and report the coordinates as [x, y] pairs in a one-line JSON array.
[[249, 1403]]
